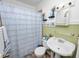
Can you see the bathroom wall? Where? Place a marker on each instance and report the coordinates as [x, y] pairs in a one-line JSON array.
[[75, 14], [63, 31], [46, 5], [15, 2]]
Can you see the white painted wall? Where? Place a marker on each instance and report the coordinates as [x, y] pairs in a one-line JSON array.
[[75, 14], [30, 2], [46, 5], [17, 2]]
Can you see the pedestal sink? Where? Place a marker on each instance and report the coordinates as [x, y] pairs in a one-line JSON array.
[[61, 46]]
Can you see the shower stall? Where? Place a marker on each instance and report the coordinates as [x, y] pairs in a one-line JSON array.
[[24, 28]]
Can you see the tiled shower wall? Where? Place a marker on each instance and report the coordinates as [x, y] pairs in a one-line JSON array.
[[24, 28]]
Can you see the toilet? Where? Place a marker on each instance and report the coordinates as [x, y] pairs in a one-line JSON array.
[[40, 51]]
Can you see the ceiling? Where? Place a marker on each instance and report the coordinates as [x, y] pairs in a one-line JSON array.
[[30, 2]]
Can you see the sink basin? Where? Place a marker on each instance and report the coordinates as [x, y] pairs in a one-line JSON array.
[[61, 46]]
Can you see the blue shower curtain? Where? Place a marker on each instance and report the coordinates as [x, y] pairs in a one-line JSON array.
[[24, 28]]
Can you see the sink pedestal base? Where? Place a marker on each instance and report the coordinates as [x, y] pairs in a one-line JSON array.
[[52, 54]]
